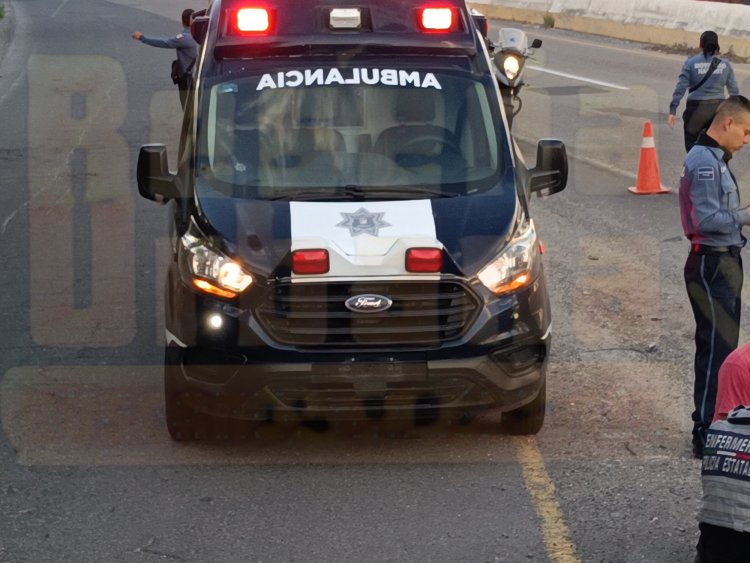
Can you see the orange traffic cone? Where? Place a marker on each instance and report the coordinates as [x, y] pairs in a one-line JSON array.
[[648, 182]]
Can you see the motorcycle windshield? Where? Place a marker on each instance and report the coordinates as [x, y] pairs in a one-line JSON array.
[[511, 39], [333, 129]]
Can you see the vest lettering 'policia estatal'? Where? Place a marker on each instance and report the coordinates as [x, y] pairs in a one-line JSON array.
[[726, 473]]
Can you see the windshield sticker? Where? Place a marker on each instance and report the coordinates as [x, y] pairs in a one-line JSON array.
[[354, 76]]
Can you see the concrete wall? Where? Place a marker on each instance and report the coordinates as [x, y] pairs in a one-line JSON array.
[[663, 22]]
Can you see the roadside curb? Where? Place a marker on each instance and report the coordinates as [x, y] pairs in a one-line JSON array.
[[6, 29], [629, 31]]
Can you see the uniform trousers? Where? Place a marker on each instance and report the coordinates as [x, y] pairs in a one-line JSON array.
[[185, 84], [714, 285], [722, 545]]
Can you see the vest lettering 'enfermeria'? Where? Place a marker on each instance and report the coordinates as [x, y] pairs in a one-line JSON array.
[[726, 473]]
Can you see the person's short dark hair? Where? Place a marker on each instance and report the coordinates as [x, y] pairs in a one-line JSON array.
[[732, 107], [709, 42], [186, 17]]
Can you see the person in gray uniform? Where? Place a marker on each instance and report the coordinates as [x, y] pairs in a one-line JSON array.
[[712, 220], [705, 77], [724, 516], [187, 51]]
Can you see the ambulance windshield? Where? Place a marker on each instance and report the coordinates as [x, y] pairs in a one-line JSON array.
[[329, 126]]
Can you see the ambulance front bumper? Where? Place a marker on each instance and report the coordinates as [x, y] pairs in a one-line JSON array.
[[346, 388]]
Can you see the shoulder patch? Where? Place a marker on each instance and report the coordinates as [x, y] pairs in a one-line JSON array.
[[706, 173], [179, 36]]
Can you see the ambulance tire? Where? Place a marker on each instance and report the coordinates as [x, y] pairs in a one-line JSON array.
[[184, 423], [427, 410], [529, 419]]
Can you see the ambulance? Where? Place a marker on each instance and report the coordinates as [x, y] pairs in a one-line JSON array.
[[352, 235]]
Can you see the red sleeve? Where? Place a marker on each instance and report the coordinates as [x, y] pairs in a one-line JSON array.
[[733, 390]]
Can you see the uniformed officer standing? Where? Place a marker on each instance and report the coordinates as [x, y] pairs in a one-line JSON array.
[[187, 51], [705, 79], [712, 220]]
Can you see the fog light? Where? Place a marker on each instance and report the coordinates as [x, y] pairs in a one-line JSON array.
[[521, 360]]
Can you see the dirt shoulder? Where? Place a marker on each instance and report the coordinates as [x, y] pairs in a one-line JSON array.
[[6, 28]]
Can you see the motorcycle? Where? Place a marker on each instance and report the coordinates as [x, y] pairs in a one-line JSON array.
[[510, 54]]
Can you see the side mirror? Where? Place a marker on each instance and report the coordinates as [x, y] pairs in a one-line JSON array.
[[550, 175], [155, 181], [536, 43], [199, 27]]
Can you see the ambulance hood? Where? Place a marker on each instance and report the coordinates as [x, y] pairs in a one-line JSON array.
[[363, 237]]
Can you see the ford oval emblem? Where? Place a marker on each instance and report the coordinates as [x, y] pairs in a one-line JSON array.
[[368, 303]]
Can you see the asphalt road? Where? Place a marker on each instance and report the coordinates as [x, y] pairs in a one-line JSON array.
[[87, 470]]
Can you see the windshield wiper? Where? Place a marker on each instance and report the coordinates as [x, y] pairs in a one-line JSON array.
[[345, 192], [355, 192], [412, 191], [304, 195], [359, 193]]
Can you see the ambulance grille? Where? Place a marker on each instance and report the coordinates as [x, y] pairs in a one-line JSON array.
[[423, 313]]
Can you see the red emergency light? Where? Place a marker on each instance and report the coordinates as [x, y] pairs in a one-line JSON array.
[[253, 20], [437, 19], [424, 260], [306, 262]]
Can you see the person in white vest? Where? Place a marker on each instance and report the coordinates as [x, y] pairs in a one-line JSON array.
[[724, 516]]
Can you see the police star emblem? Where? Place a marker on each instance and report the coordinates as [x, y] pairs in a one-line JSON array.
[[362, 221]]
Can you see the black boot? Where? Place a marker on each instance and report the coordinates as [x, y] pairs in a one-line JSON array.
[[699, 442]]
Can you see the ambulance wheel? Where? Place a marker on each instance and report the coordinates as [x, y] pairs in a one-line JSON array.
[[426, 410], [528, 419], [184, 423]]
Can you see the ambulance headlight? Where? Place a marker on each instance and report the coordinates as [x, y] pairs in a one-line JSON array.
[[516, 265], [511, 66], [211, 271]]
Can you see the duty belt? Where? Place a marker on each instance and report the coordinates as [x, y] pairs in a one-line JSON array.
[[704, 249]]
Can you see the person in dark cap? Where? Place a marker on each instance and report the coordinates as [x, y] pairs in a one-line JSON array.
[[705, 77]]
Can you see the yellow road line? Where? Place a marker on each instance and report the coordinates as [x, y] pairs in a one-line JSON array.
[[542, 491]]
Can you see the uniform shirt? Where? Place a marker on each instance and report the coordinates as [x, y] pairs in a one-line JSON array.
[[725, 473], [187, 48], [734, 382], [709, 198], [712, 89]]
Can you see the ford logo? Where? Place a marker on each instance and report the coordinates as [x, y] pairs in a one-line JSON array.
[[368, 303]]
